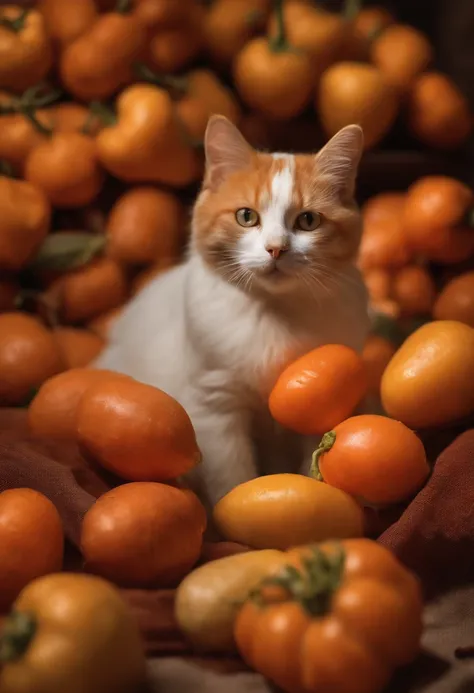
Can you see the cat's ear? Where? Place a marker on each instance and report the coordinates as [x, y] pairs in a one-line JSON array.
[[339, 159], [226, 150]]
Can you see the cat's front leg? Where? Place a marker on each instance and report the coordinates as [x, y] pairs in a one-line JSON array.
[[228, 457]]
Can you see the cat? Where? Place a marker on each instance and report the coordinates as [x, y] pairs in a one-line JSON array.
[[269, 275]]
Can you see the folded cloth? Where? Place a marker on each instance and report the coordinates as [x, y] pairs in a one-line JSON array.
[[434, 536]]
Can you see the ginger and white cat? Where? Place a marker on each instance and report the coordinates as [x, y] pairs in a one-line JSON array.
[[269, 276]]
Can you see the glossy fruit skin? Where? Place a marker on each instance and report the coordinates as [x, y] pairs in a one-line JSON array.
[[375, 459], [29, 355], [283, 510], [277, 84], [49, 167], [53, 411], [438, 112], [402, 53], [99, 62], [144, 226], [209, 598], [351, 92], [319, 390], [89, 291], [433, 219], [414, 290], [32, 540], [137, 431], [428, 381], [456, 300], [370, 625], [376, 355], [82, 622], [26, 215], [143, 534], [64, 27], [25, 55]]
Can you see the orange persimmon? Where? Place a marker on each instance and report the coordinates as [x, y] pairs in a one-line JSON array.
[[376, 355], [78, 347], [339, 616], [373, 458], [402, 53], [384, 246], [456, 300], [65, 24], [319, 390], [414, 290], [136, 431]]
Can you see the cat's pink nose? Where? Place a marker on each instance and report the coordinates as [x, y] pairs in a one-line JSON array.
[[275, 251]]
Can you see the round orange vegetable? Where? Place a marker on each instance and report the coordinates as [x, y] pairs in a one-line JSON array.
[[351, 92], [319, 390], [282, 510], [100, 61], [172, 48], [137, 431], [271, 76], [25, 222], [49, 167], [79, 621], [340, 616], [384, 245], [18, 137], [29, 355], [145, 142], [379, 284], [438, 113], [456, 300], [435, 219], [53, 411], [89, 291], [373, 458], [428, 381], [402, 53], [25, 48], [144, 226], [143, 534], [32, 541]]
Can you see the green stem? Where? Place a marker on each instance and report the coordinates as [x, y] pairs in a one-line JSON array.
[[279, 43], [18, 632], [103, 112], [327, 441], [17, 24], [123, 6], [314, 585], [351, 9], [179, 85]]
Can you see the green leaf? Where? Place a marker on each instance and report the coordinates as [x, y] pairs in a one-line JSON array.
[[68, 250]]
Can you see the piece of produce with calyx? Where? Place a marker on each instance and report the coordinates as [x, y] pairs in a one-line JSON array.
[[74, 633], [377, 460], [208, 599], [278, 511], [339, 616]]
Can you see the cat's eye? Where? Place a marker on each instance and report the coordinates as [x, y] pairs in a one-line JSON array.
[[307, 221], [247, 217]]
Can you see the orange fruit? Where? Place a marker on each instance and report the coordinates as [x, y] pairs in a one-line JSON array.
[[78, 347], [379, 208], [414, 291], [144, 226], [319, 390], [384, 246], [143, 534], [29, 355], [89, 291], [379, 284], [402, 53], [31, 540], [376, 355], [102, 324], [136, 431], [456, 300], [147, 275], [53, 411]]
